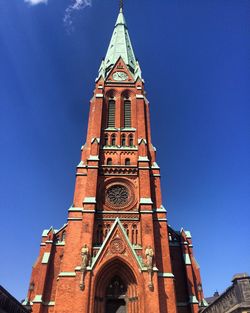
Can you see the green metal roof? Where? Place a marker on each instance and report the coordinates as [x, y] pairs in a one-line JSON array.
[[120, 46]]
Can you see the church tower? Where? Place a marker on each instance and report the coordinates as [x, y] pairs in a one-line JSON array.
[[116, 253]]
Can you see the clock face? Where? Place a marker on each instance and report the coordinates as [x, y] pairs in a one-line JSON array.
[[120, 76]]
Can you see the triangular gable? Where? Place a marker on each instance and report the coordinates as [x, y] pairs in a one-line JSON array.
[[120, 72], [116, 226]]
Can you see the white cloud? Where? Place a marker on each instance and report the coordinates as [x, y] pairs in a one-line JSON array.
[[75, 6], [35, 2]]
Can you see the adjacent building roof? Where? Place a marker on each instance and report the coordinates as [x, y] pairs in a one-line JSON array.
[[8, 304]]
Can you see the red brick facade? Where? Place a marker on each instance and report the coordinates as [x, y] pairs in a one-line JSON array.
[[116, 253]]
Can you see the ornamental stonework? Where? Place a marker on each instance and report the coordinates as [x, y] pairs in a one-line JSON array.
[[117, 246], [117, 195]]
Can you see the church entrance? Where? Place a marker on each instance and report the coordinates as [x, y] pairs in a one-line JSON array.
[[116, 289], [115, 296]]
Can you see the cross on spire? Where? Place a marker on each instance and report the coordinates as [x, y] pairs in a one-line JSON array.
[[121, 4]]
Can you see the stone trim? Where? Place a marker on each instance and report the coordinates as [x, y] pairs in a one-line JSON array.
[[67, 274], [115, 224], [135, 148], [45, 259], [37, 299], [93, 158], [161, 210], [97, 139], [160, 219], [166, 275], [89, 200], [193, 299], [155, 166], [139, 97], [146, 201], [143, 159], [187, 260], [99, 95], [74, 209]]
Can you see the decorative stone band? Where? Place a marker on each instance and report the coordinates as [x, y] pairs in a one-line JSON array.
[[166, 275], [135, 148], [139, 97], [127, 129]]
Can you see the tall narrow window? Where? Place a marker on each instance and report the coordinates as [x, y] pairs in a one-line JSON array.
[[127, 113], [123, 140], [113, 141], [111, 113], [131, 140], [106, 140]]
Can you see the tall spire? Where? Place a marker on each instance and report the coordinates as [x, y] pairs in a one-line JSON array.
[[120, 46]]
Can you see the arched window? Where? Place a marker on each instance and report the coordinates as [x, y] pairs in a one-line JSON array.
[[127, 113], [109, 161], [113, 141], [106, 140], [111, 113], [127, 162], [131, 140], [123, 142]]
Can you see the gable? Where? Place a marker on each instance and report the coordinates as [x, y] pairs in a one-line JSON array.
[[117, 243], [120, 73]]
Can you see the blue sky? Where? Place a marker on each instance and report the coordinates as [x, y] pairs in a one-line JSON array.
[[195, 60]]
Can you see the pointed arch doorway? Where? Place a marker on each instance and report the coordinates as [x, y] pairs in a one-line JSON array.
[[116, 289], [115, 296]]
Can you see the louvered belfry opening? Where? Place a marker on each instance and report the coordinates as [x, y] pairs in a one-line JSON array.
[[127, 113], [111, 113]]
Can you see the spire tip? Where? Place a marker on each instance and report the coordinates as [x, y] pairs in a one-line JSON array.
[[121, 5]]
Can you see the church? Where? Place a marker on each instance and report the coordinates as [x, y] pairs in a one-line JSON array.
[[117, 253]]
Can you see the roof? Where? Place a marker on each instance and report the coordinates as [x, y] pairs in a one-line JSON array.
[[9, 304], [120, 46]]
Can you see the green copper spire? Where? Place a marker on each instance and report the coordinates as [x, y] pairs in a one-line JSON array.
[[120, 46]]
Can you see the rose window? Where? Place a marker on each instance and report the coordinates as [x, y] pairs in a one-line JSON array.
[[117, 195]]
